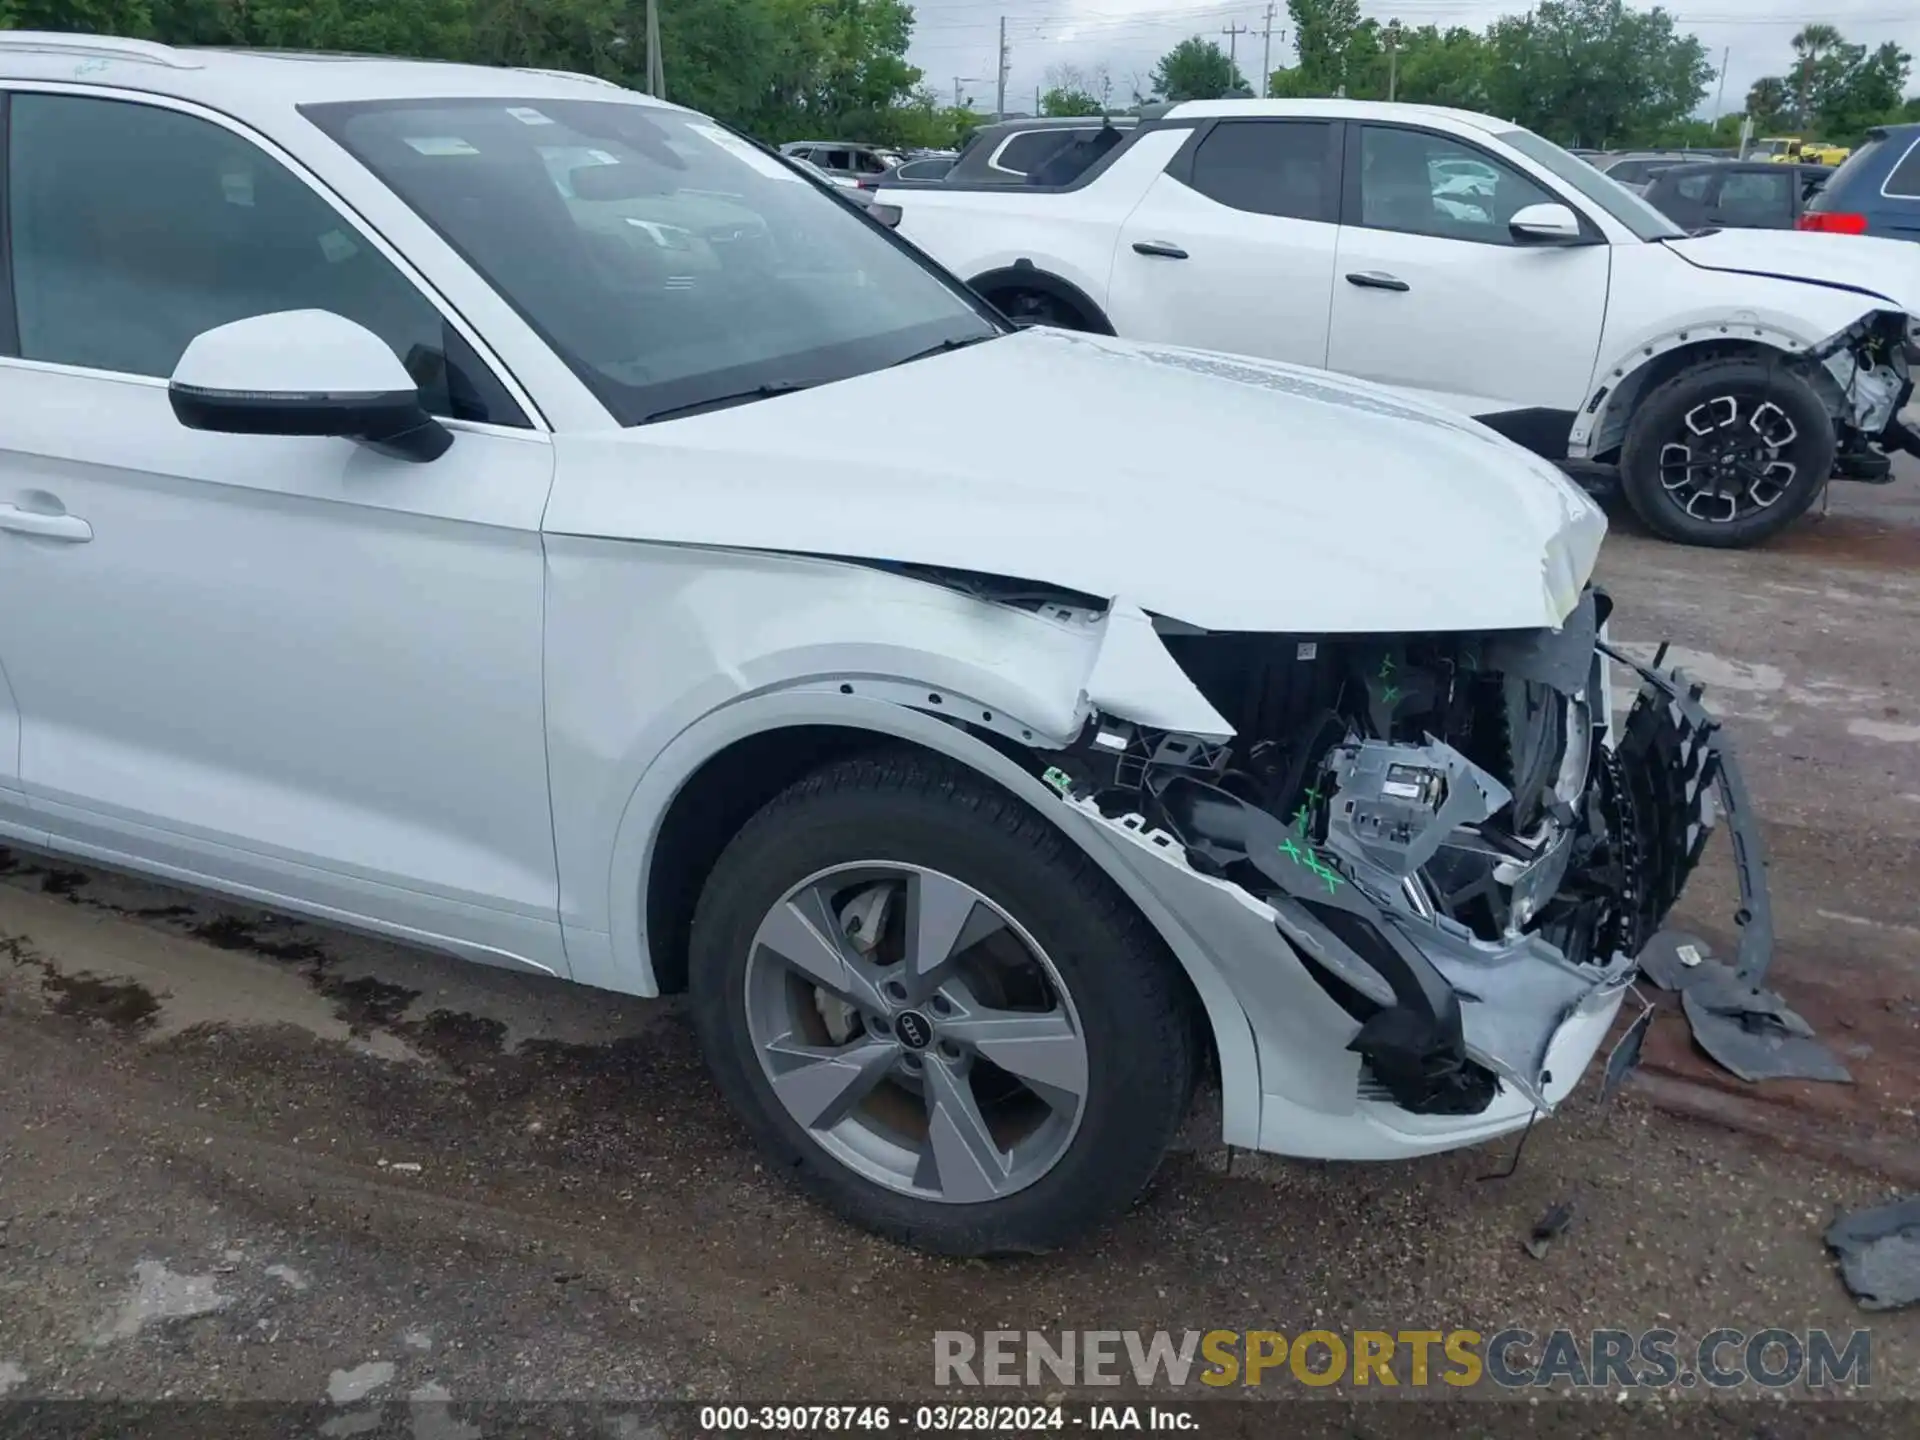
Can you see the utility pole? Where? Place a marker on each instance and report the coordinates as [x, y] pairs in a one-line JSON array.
[[1720, 100], [656, 72], [1233, 34], [958, 102], [1393, 60], [1000, 86], [1266, 54]]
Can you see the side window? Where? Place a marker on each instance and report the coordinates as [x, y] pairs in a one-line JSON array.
[[1905, 179], [1268, 167], [833, 159], [1694, 187], [869, 163], [1416, 182], [133, 229], [1032, 148], [1758, 197]]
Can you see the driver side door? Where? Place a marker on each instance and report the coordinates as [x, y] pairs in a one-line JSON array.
[[290, 668], [1434, 293]]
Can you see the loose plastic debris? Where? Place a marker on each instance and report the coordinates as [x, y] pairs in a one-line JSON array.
[[1624, 1059], [1879, 1253], [1548, 1228], [1752, 1032], [1743, 1028], [1673, 959]]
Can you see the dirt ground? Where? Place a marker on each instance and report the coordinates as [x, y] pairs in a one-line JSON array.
[[244, 1157]]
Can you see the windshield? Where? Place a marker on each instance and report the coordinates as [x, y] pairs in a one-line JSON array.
[[1622, 204], [670, 263]]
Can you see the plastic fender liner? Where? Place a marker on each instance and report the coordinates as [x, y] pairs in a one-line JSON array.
[[1416, 1046], [1716, 766]]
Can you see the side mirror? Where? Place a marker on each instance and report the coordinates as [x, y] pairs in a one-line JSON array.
[[1548, 224], [304, 372]]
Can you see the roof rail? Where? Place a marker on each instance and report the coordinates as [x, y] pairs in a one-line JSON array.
[[568, 75], [98, 47]]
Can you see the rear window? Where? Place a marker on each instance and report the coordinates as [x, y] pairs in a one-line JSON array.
[[1905, 180], [1861, 164], [1269, 167], [1027, 150]]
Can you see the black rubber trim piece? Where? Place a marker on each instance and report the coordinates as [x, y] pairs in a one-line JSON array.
[[9, 315]]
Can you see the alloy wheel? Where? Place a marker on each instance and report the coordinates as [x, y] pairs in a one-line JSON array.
[[1735, 455], [916, 1032]]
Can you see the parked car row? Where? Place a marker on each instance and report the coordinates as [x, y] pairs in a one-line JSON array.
[[441, 479], [1876, 190], [1464, 260], [1636, 169], [1741, 194]]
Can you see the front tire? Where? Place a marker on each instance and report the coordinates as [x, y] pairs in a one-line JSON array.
[[1727, 454], [935, 1013]]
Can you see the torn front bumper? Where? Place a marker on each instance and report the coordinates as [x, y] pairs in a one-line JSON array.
[[1385, 1030]]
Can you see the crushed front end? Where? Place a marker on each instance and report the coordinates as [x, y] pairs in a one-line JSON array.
[[1447, 835], [1871, 365]]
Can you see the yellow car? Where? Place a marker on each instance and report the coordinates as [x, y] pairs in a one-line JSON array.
[[1788, 150]]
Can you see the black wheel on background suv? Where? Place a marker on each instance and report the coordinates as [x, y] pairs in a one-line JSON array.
[[1728, 453], [935, 1013]]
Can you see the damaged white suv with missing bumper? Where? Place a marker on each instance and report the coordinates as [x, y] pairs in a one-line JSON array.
[[473, 552]]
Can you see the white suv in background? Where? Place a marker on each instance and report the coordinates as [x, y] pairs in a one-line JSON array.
[[1463, 259]]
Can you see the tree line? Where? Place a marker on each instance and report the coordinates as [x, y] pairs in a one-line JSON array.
[[778, 69], [1583, 72]]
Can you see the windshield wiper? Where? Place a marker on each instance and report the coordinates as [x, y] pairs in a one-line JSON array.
[[722, 402], [944, 346]]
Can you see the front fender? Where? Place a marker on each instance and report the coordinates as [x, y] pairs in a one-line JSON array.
[[1661, 305], [824, 704]]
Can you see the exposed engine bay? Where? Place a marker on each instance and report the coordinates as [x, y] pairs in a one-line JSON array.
[[1444, 829]]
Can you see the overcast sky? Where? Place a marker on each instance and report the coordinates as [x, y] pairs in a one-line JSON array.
[[957, 38]]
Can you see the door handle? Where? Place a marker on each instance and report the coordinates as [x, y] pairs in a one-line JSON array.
[[47, 527], [1160, 248], [1377, 280]]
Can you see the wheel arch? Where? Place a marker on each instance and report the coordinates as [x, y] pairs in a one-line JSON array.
[[1023, 274], [1600, 429], [737, 759]]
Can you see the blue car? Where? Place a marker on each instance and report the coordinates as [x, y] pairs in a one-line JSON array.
[[1876, 191]]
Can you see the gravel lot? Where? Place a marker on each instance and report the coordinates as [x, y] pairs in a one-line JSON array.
[[248, 1157]]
